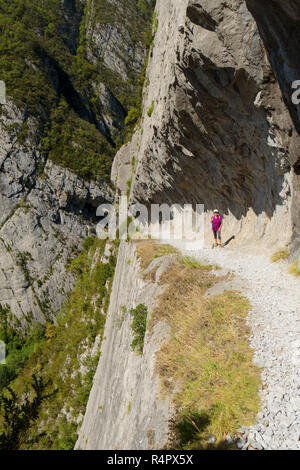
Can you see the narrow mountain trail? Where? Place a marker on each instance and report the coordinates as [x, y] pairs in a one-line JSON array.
[[275, 324]]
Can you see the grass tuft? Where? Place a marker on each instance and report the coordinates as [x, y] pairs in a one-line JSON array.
[[147, 251], [280, 255], [151, 109], [294, 269], [193, 264]]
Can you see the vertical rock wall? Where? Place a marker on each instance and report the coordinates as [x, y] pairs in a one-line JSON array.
[[279, 27], [125, 410], [219, 133], [46, 212]]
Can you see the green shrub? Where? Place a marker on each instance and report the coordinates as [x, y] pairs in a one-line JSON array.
[[294, 269], [67, 434], [19, 346], [138, 326], [151, 109], [132, 116], [57, 358], [155, 22], [20, 413], [144, 8]]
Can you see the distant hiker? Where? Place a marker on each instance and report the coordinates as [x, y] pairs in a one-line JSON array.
[[216, 223]]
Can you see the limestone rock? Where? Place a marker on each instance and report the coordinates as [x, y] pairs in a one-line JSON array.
[[111, 42], [220, 133], [125, 410], [43, 220], [278, 24]]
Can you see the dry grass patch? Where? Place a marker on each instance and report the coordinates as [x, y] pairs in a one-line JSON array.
[[280, 255], [147, 251], [182, 283], [207, 363], [294, 269]]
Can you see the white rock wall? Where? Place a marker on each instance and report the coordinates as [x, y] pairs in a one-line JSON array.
[[125, 409], [219, 130]]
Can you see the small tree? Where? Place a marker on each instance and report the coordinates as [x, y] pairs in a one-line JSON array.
[[19, 413]]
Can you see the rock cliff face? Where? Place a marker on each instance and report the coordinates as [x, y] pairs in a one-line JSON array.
[[68, 118], [44, 219], [116, 45], [112, 42], [278, 24], [125, 403], [220, 132], [218, 128]]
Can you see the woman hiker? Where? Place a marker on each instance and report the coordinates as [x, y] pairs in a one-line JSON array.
[[216, 223]]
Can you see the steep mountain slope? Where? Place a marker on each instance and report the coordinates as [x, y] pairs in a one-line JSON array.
[[124, 402], [63, 118], [218, 128]]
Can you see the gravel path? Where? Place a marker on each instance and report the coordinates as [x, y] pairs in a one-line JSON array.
[[275, 322]]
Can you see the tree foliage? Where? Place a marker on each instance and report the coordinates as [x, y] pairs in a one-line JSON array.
[[43, 61], [19, 345], [20, 413], [138, 326]]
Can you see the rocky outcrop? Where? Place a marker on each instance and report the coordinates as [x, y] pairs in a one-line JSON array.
[[220, 133], [116, 47], [46, 213], [278, 24], [113, 113], [70, 23]]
